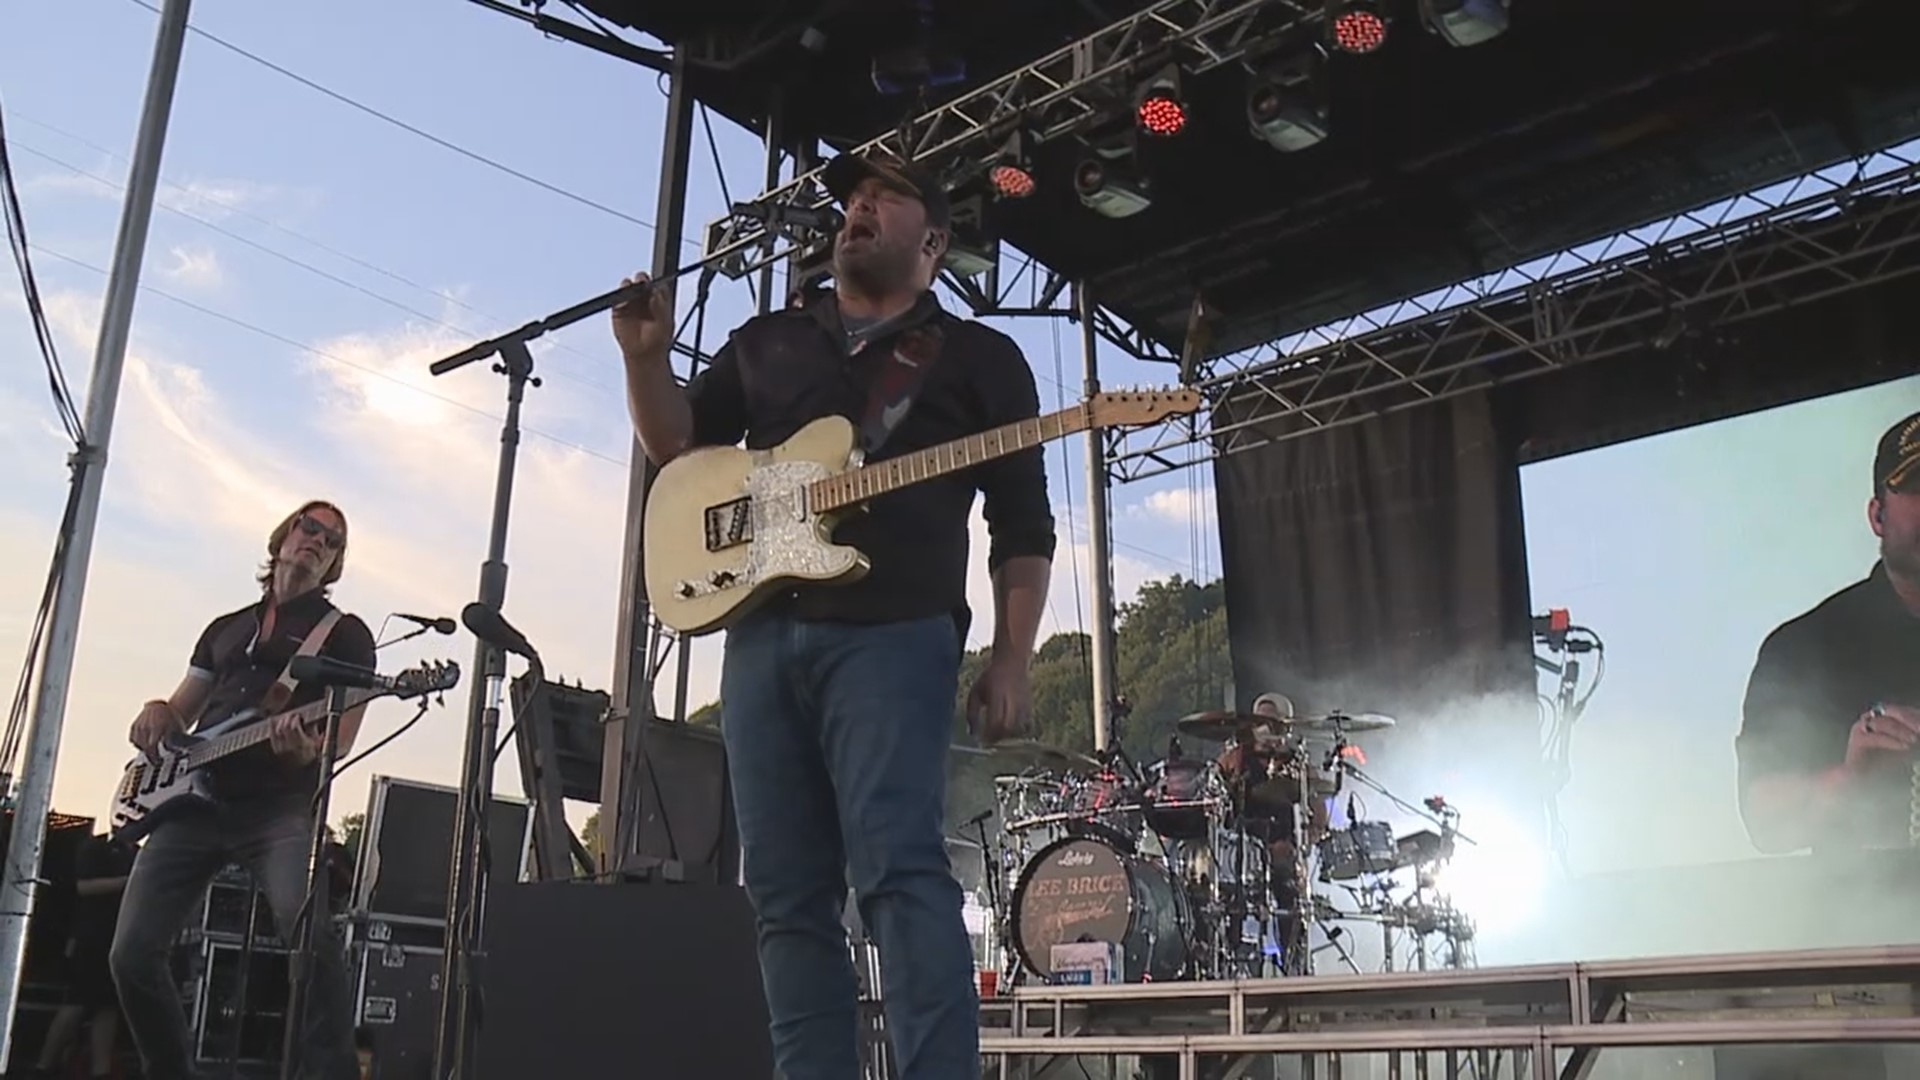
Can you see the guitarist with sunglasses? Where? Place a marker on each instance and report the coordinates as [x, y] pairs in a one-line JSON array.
[[264, 818], [837, 701]]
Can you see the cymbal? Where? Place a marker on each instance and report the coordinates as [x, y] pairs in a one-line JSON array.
[[1219, 725], [1019, 755], [1336, 722]]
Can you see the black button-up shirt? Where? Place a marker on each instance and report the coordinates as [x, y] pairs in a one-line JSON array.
[[781, 371], [242, 666], [1814, 676]]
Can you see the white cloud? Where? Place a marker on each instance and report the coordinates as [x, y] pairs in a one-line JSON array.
[[1178, 506], [193, 266]]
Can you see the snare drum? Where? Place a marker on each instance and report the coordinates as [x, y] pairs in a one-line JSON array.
[[1362, 848]]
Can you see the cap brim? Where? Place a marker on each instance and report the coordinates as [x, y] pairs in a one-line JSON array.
[[1904, 477], [845, 173]]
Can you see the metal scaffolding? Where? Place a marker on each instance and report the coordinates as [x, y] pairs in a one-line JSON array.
[[1830, 232], [1534, 1022], [1068, 91]]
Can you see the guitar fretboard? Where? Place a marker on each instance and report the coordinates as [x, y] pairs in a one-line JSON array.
[[858, 485], [257, 732]]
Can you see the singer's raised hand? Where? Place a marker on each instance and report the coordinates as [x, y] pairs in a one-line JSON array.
[[644, 326]]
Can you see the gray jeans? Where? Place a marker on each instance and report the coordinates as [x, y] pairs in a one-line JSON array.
[[169, 878]]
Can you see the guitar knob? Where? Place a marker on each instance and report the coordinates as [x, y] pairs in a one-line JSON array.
[[686, 590], [721, 578]]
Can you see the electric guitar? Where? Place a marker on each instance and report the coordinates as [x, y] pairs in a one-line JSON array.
[[175, 779], [726, 527]]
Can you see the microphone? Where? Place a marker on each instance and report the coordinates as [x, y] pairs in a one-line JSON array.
[[493, 628], [822, 219], [440, 625], [330, 672]]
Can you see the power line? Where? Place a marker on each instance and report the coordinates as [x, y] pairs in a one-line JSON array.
[[330, 357], [409, 128], [307, 266]]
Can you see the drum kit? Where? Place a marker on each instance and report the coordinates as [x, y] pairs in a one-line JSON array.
[[1200, 865]]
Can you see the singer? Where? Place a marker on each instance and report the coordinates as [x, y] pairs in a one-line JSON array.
[[1833, 705], [838, 701], [265, 818]]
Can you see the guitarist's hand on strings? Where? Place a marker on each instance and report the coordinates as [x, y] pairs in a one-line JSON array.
[[644, 326], [156, 721], [292, 741]]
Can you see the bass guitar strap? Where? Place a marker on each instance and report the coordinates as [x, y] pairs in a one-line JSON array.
[[277, 694]]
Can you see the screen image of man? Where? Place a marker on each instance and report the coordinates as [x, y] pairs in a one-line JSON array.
[[1832, 710]]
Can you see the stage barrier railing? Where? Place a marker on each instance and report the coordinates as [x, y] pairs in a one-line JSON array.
[[1536, 1012]]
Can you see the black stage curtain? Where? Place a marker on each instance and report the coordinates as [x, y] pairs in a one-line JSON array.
[[1379, 566]]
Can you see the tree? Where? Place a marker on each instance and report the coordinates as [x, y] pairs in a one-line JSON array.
[[1170, 660], [590, 836], [707, 715], [352, 828]]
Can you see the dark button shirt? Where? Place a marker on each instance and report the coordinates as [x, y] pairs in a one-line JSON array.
[[243, 667], [1814, 676], [781, 371]]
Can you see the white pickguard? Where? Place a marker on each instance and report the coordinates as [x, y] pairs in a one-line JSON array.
[[786, 540]]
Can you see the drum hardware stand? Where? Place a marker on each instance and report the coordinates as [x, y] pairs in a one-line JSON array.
[[302, 961], [240, 981]]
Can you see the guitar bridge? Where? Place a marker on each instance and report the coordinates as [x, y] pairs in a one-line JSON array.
[[729, 524]]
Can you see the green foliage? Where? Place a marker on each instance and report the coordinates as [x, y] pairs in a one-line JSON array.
[[707, 715], [352, 828], [1171, 660]]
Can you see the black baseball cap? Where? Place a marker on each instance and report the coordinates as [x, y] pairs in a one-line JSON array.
[[1896, 467], [845, 173]]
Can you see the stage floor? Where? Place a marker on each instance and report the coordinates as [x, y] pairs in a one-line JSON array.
[[1535, 1022]]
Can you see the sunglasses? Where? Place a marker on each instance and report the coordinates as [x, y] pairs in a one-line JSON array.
[[333, 538]]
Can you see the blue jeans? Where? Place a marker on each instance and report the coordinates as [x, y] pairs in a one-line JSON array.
[[836, 740]]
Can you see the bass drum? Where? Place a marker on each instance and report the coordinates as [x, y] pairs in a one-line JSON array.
[[1083, 889]]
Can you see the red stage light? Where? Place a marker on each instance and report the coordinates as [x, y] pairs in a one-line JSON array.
[[1160, 114], [1011, 181], [1359, 30]]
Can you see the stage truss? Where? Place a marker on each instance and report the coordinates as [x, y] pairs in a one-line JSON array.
[[1842, 228], [1066, 92], [1541, 1022]]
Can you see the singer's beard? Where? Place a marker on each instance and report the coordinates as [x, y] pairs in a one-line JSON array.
[[877, 271]]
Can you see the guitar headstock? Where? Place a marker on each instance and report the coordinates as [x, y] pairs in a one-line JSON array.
[[430, 678], [1131, 408]]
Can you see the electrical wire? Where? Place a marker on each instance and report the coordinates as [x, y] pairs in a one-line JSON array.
[[331, 358], [397, 305], [16, 224], [411, 129]]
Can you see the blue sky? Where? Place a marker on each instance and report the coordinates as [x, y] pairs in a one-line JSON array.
[[223, 428]]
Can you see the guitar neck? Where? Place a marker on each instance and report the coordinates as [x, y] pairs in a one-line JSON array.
[[253, 734], [858, 485]]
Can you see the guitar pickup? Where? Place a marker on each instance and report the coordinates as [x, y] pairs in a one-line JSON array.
[[729, 524]]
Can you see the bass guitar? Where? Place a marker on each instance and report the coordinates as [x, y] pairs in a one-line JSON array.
[[726, 527], [174, 778]]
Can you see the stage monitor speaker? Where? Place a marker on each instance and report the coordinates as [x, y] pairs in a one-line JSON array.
[[578, 719], [622, 980], [686, 805], [404, 854]]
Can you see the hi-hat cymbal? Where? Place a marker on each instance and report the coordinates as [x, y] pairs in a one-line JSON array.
[[1219, 725], [1019, 755]]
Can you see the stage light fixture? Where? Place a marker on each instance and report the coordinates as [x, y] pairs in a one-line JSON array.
[[972, 249], [1356, 26], [1158, 107], [1286, 106], [1011, 172], [1110, 187], [1462, 23]]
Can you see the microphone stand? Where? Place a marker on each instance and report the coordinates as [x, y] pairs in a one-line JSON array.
[[302, 960]]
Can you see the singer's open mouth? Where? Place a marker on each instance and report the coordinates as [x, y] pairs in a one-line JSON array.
[[861, 231]]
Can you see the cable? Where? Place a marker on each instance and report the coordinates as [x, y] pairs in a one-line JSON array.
[[1073, 546], [315, 270], [36, 312], [409, 128], [331, 358]]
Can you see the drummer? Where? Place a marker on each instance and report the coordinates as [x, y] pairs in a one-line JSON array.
[[1248, 760]]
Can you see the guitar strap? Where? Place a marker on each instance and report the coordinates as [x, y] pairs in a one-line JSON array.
[[897, 378], [279, 692]]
